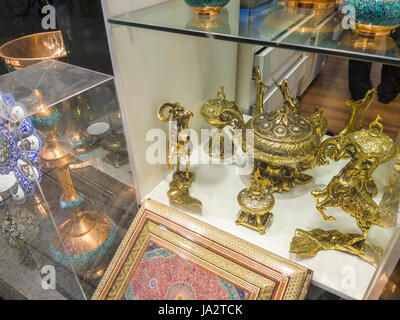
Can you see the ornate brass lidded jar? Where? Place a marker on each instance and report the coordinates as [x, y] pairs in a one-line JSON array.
[[284, 141], [284, 145]]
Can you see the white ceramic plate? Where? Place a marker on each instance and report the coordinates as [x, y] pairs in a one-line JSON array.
[[98, 128]]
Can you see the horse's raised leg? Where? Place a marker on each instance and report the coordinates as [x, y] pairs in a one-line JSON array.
[[322, 205], [320, 194]]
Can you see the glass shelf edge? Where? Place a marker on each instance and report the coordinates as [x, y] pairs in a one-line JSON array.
[[240, 39]]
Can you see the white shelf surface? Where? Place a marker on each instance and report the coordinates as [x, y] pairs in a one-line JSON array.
[[217, 187], [96, 156]]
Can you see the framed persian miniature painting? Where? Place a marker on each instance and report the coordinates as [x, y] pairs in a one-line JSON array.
[[169, 255]]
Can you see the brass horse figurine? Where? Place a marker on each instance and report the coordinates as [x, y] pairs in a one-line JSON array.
[[352, 189]]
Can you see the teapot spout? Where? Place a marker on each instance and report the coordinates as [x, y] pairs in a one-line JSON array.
[[356, 106]]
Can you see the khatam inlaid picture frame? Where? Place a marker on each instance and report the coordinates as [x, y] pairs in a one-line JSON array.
[[168, 255]]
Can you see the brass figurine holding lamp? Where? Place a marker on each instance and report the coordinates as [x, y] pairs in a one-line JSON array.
[[179, 147], [220, 113], [352, 190], [284, 146]]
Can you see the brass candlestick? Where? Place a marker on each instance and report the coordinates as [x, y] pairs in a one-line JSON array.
[[87, 239]]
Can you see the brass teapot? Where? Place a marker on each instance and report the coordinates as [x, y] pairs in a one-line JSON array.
[[285, 144]]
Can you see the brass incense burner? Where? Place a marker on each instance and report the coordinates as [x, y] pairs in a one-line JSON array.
[[179, 147], [352, 189], [284, 141], [256, 203], [220, 113], [285, 144]]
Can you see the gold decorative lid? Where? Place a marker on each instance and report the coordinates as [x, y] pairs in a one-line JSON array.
[[220, 112], [283, 136], [252, 201], [373, 142]]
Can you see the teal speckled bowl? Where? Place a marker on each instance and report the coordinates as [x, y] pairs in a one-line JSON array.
[[378, 17], [207, 7]]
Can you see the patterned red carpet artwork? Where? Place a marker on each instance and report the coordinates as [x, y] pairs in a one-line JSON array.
[[162, 274]]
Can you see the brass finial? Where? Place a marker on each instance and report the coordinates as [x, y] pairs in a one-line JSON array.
[[377, 123], [221, 94], [261, 87]]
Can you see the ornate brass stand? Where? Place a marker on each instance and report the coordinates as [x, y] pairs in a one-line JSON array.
[[179, 146], [281, 178], [352, 189], [256, 203], [87, 239]]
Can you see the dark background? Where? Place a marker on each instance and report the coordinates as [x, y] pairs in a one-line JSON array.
[[82, 25]]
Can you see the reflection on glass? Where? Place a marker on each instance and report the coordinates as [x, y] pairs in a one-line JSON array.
[[304, 25], [87, 239], [376, 17], [25, 51], [211, 23], [383, 45], [311, 4]]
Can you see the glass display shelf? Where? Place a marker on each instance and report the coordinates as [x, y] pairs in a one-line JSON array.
[[55, 81], [66, 189], [271, 24]]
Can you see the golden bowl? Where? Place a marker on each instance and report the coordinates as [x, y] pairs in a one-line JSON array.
[[311, 4], [27, 50]]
